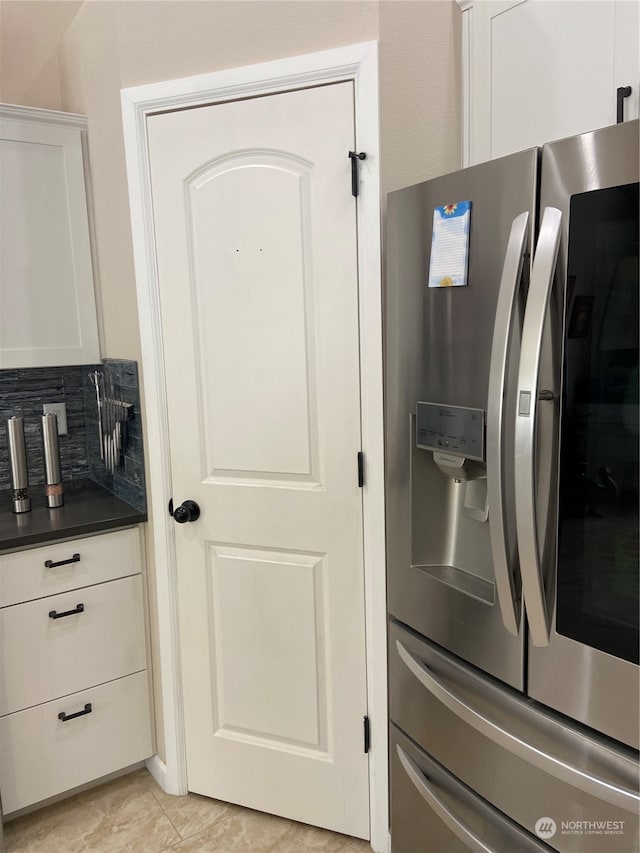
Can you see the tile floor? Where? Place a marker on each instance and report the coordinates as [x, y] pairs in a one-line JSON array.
[[133, 815]]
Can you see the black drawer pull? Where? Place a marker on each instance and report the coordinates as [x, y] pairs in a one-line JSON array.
[[622, 92], [53, 614], [66, 717], [51, 565]]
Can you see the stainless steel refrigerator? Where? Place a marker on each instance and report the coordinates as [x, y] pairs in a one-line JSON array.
[[512, 506]]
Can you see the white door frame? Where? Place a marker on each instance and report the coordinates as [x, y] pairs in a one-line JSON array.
[[358, 63]]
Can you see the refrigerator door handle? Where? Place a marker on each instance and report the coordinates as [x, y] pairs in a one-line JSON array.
[[615, 795], [542, 274], [458, 827], [508, 597]]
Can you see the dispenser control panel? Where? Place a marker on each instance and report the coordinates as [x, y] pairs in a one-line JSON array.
[[450, 429]]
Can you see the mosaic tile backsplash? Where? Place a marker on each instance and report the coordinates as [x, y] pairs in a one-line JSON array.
[[23, 392], [128, 480]]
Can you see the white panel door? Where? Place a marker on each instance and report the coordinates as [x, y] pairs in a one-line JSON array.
[[547, 70], [255, 228]]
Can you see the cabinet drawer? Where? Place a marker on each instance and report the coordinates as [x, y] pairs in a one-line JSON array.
[[24, 575], [40, 755], [45, 657]]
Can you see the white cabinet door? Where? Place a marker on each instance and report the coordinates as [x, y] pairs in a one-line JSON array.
[[540, 71], [47, 301]]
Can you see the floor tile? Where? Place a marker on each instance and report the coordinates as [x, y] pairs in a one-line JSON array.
[[191, 814], [119, 817], [134, 815], [356, 845], [309, 839], [244, 831]]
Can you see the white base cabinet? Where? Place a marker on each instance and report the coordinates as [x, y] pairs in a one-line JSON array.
[[102, 638], [47, 299], [43, 755], [74, 692], [25, 575]]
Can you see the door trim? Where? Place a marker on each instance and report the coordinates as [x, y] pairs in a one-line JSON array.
[[358, 63]]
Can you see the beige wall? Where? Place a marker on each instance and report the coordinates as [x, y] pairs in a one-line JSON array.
[[77, 56], [420, 90], [29, 37], [66, 54]]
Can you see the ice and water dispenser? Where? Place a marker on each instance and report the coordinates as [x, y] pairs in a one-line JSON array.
[[449, 504]]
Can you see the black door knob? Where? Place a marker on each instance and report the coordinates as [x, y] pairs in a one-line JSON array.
[[187, 511]]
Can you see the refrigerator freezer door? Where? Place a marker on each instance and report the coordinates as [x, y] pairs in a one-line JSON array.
[[499, 745], [432, 812], [589, 671], [438, 342]]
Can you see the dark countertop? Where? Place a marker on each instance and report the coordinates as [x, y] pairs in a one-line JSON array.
[[88, 508]]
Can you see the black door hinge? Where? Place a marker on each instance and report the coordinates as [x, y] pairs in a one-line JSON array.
[[367, 734], [354, 157], [360, 468]]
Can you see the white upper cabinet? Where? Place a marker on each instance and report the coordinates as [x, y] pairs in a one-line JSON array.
[[538, 70], [47, 301]]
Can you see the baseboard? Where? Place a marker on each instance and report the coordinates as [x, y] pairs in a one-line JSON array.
[[158, 769]]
